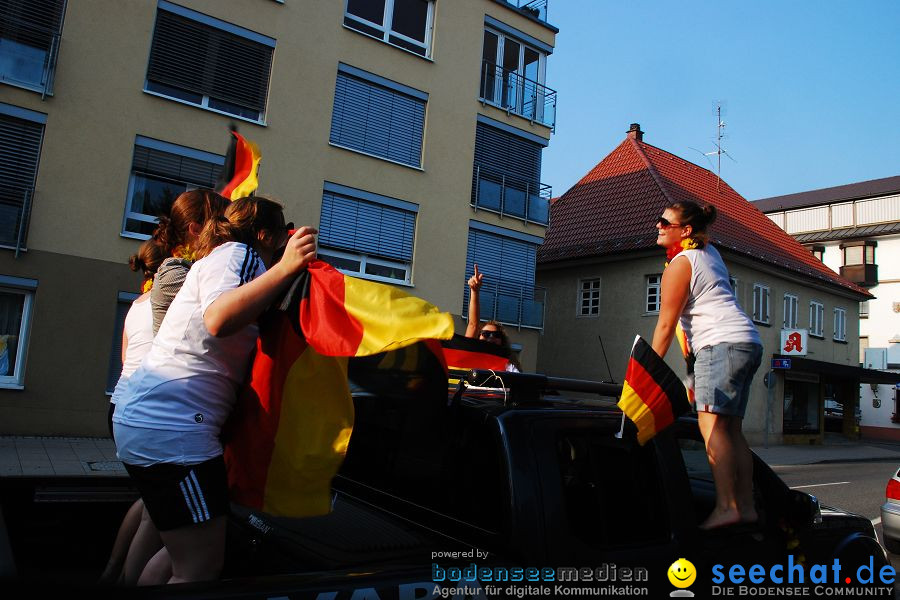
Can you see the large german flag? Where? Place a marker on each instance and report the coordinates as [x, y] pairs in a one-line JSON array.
[[652, 395], [240, 175], [290, 429]]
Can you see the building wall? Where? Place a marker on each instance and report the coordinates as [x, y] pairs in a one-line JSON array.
[[570, 345], [75, 249], [878, 405]]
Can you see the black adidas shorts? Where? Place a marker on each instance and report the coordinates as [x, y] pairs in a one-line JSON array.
[[181, 495]]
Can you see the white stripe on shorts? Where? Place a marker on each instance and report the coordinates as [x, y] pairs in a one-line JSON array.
[[193, 477], [187, 501]]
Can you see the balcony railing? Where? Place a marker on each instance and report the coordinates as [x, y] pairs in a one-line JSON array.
[[31, 53], [15, 212], [537, 8], [506, 194], [511, 303], [517, 94]]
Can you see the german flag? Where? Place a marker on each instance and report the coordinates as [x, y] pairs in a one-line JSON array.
[[464, 353], [240, 175], [689, 359], [652, 395], [289, 432]]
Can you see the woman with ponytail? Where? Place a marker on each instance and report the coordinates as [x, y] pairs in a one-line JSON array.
[[169, 419], [696, 293]]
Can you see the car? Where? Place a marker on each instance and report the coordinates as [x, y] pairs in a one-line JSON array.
[[834, 415], [890, 515]]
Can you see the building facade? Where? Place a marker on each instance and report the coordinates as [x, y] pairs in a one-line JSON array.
[[408, 131], [854, 230], [602, 269]]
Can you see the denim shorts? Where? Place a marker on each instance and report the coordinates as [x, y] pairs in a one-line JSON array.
[[722, 377]]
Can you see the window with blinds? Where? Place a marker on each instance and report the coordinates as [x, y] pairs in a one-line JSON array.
[[20, 151], [16, 301], [760, 303], [508, 293], [29, 41], [366, 236], [506, 175], [201, 60], [378, 117], [160, 171]]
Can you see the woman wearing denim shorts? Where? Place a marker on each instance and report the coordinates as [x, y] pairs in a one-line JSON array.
[[696, 292]]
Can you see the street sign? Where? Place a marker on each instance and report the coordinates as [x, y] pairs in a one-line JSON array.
[[781, 363]]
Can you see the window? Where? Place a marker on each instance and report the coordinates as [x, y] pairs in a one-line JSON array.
[[115, 354], [513, 69], [840, 324], [367, 235], [817, 251], [29, 42], [859, 253], [16, 300], [654, 283], [791, 310], [21, 134], [507, 258], [588, 298], [760, 303], [160, 171], [377, 116], [403, 23], [507, 172], [816, 318], [864, 310], [200, 60], [863, 344]]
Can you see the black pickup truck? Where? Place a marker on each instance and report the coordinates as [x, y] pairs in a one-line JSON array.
[[524, 490]]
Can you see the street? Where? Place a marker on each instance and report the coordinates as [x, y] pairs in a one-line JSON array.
[[853, 486]]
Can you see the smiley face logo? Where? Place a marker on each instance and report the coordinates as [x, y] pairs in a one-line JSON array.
[[682, 573]]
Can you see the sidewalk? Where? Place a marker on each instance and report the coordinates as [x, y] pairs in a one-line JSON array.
[[841, 450], [58, 456]]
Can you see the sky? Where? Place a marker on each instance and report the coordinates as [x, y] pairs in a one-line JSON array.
[[810, 89]]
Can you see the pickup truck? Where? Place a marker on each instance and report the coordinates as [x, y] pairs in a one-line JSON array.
[[510, 490]]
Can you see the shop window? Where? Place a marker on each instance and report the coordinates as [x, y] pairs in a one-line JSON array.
[[16, 302]]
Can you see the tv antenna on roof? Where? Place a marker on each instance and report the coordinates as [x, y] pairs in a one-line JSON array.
[[719, 108]]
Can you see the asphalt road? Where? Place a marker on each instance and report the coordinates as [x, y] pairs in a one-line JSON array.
[[857, 487]]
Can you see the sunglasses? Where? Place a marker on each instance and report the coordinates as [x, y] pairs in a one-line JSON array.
[[666, 223], [490, 334]]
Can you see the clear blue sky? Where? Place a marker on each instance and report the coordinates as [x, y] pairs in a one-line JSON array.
[[811, 88]]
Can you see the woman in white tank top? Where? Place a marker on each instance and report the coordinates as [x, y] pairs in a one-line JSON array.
[[696, 293]]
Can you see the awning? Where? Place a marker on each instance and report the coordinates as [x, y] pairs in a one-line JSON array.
[[839, 371]]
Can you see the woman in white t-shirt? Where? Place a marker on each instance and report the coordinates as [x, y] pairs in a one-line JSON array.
[[168, 420], [696, 292]]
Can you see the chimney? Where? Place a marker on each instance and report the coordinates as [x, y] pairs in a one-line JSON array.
[[635, 133]]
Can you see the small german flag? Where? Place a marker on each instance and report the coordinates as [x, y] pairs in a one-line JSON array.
[[240, 175], [464, 353], [652, 395]]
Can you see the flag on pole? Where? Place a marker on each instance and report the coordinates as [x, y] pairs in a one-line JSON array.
[[292, 423], [652, 395], [240, 175]]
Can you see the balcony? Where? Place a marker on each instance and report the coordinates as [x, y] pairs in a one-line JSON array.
[[514, 93], [864, 275], [15, 210], [535, 8], [506, 194], [511, 303]]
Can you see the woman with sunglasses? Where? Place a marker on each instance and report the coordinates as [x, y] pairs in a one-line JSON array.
[[696, 292], [492, 331]]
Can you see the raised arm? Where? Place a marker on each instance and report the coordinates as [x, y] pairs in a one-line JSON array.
[[238, 307], [474, 303], [676, 287]]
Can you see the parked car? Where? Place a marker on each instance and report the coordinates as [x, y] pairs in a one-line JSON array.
[[834, 415], [890, 514]]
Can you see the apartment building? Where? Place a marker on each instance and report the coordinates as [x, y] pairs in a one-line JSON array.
[[854, 230], [409, 132], [603, 271]]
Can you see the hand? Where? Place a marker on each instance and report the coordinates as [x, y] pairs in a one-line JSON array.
[[300, 250], [475, 280]]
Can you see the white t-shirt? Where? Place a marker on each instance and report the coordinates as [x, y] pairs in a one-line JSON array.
[[188, 381], [139, 331], [712, 315]]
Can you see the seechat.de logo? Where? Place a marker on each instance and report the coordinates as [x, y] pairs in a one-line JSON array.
[[682, 574]]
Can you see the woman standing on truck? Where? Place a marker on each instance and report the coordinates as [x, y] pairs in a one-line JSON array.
[[168, 421], [696, 292]]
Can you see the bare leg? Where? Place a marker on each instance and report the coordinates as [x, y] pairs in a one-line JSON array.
[[197, 551], [158, 570], [130, 522], [722, 455], [145, 544], [744, 483]]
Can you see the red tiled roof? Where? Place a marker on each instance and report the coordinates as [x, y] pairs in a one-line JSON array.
[[614, 207]]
